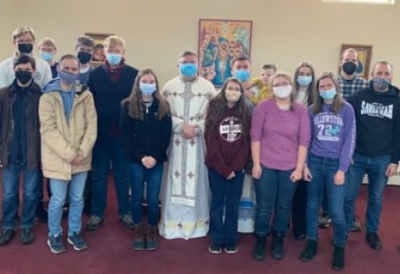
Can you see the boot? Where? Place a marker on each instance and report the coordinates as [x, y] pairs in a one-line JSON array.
[[277, 245], [152, 243], [259, 250], [310, 251], [138, 242], [338, 258]]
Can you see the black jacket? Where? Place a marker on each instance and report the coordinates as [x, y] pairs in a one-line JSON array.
[[148, 137], [378, 122], [8, 97]]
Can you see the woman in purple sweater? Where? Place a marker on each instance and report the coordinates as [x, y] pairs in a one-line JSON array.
[[280, 135], [332, 146]]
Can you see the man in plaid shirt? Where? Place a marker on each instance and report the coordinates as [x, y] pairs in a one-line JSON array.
[[348, 79]]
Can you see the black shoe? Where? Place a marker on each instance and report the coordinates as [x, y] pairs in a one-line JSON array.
[[324, 220], [27, 236], [374, 241], [6, 236], [338, 258], [231, 249], [215, 249], [310, 251], [277, 245], [41, 214], [259, 250]]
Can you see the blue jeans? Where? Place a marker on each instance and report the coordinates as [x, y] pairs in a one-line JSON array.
[[104, 155], [224, 193], [10, 196], [59, 190], [375, 168], [274, 194], [323, 171], [153, 177]]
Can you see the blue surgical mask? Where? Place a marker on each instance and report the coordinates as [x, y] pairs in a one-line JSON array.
[[114, 59], [381, 83], [147, 89], [46, 56], [328, 94], [304, 80], [242, 75], [67, 77], [188, 69]]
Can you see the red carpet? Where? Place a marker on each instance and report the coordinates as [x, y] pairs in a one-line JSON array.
[[110, 251]]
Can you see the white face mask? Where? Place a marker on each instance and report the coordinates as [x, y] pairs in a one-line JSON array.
[[282, 92], [232, 96], [84, 70]]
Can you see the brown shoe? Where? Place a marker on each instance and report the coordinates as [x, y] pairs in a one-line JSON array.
[[152, 234], [138, 242]]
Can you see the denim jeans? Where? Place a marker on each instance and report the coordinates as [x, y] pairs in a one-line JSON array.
[[375, 168], [224, 193], [103, 156], [59, 190], [10, 182], [274, 194], [323, 171], [153, 177]]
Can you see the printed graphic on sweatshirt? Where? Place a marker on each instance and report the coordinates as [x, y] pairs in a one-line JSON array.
[[377, 110], [230, 129], [328, 127]]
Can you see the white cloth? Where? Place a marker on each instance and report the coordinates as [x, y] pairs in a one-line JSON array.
[[7, 75], [247, 206], [185, 193]]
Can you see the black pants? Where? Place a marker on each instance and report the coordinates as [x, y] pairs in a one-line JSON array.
[[299, 207]]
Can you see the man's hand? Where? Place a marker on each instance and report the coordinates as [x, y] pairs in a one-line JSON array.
[[189, 131]]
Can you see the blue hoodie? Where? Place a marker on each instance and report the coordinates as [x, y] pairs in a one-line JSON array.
[[67, 96]]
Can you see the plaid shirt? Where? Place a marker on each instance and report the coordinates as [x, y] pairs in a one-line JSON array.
[[351, 86]]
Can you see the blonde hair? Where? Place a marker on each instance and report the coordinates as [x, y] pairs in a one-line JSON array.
[[283, 74], [23, 30], [112, 41], [47, 41], [349, 50]]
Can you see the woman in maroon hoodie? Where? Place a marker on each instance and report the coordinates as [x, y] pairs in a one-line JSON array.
[[227, 138]]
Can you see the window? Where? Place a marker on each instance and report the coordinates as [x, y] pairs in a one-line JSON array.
[[381, 2]]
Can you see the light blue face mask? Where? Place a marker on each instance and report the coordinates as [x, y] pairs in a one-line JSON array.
[[328, 94], [242, 75], [114, 59], [147, 89], [304, 80], [188, 69], [46, 56]]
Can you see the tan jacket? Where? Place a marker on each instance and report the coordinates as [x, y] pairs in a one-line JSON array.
[[62, 142]]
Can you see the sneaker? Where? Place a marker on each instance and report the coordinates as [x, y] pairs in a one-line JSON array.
[[6, 236], [41, 214], [338, 258], [127, 220], [27, 236], [324, 221], [215, 249], [93, 223], [310, 251], [356, 227], [231, 249], [77, 241], [374, 241], [55, 244]]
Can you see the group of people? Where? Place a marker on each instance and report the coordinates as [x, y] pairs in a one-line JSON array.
[[302, 144]]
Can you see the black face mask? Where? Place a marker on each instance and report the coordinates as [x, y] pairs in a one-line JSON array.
[[25, 48], [23, 76], [84, 57], [349, 68]]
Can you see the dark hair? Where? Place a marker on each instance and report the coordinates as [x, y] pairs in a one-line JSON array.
[[240, 58], [218, 104], [23, 58], [269, 66], [187, 53], [309, 91], [318, 101], [85, 41], [70, 56], [134, 101]]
